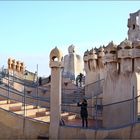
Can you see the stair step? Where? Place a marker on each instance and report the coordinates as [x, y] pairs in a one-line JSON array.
[[6, 101], [12, 101], [3, 102], [69, 117], [44, 118], [28, 107], [9, 106], [30, 112], [15, 108], [43, 113], [64, 114]]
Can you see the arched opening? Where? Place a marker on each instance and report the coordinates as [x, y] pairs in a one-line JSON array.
[[134, 26], [127, 47], [113, 52], [54, 58]]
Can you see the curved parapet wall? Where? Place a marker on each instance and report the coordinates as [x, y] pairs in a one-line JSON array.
[[129, 132], [13, 126]]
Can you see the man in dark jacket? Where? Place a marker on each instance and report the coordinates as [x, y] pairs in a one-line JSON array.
[[83, 112]]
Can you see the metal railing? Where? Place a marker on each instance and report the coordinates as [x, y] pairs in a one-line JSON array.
[[110, 116], [9, 93], [101, 116], [94, 89]]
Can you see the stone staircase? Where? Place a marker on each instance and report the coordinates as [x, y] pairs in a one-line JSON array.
[[73, 97], [31, 111]]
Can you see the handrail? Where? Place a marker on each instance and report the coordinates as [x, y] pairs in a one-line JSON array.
[[23, 101], [105, 104], [122, 101], [95, 82], [21, 115], [25, 83], [79, 89], [76, 105], [22, 94], [20, 80]]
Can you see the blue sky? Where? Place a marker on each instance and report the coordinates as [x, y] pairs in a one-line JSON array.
[[30, 29]]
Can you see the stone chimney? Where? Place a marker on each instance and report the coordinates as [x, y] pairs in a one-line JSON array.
[[125, 57], [134, 26], [111, 57]]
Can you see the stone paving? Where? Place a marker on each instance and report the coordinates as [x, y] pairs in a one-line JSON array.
[[78, 123]]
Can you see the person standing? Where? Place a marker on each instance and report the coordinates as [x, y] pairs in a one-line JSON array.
[[80, 79], [40, 81], [83, 112]]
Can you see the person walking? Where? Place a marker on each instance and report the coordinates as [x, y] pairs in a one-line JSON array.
[[80, 79], [83, 112]]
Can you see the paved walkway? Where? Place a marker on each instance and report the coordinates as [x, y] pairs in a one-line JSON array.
[[78, 122]]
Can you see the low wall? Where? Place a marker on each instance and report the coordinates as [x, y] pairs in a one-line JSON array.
[[130, 132], [15, 126]]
